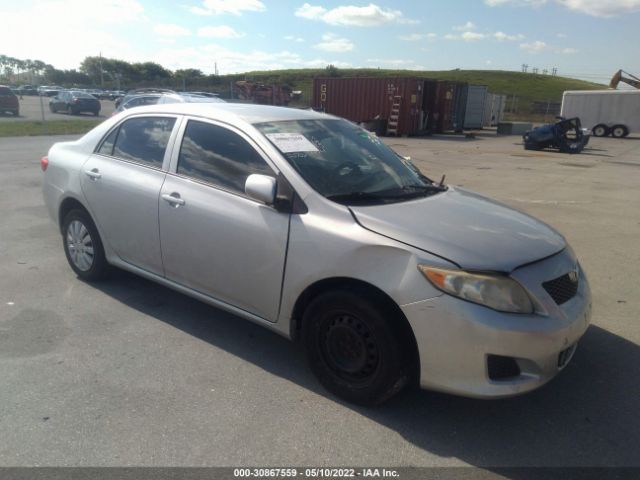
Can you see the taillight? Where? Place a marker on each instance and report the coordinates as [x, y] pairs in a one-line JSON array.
[[44, 163]]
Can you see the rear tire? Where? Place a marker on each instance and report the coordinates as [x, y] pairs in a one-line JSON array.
[[353, 349], [600, 130], [619, 131], [83, 246]]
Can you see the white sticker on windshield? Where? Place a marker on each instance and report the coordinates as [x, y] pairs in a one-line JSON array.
[[291, 142]]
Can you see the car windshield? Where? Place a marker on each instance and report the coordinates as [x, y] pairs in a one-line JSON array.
[[346, 163]]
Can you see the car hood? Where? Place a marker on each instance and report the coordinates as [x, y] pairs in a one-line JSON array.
[[468, 229]]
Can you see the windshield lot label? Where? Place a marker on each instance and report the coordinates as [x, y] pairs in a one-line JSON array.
[[291, 142]]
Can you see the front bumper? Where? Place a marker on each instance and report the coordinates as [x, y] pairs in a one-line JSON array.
[[456, 338]]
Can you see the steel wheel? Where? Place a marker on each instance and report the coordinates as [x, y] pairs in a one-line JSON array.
[[80, 245], [354, 346], [349, 348]]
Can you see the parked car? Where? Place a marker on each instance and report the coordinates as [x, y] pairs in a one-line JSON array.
[[312, 227], [9, 101], [74, 102], [162, 98], [26, 90], [49, 91], [140, 91]]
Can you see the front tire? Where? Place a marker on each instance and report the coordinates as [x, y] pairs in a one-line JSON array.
[[353, 348], [83, 246]]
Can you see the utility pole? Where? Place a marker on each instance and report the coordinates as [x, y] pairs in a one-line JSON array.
[[101, 73], [525, 67], [554, 71], [535, 70]]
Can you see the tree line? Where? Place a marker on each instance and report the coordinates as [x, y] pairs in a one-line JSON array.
[[99, 71]]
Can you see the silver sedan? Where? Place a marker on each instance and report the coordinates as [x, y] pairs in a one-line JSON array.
[[312, 227]]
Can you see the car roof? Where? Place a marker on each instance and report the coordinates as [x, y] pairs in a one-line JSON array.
[[240, 112]]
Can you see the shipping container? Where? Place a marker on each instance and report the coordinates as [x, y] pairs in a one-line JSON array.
[[474, 111], [494, 109], [393, 105]]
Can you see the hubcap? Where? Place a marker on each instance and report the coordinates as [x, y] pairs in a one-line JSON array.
[[80, 245], [349, 348]]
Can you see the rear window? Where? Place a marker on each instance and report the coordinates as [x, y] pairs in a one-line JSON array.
[[144, 140], [81, 95], [6, 92]]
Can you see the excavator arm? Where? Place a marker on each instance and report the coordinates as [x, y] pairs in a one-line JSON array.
[[619, 76]]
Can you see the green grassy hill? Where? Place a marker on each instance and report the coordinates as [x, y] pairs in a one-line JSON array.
[[527, 87]]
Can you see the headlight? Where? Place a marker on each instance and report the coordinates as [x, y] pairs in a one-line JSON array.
[[495, 291]]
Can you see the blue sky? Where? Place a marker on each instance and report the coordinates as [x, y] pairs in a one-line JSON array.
[[588, 39]]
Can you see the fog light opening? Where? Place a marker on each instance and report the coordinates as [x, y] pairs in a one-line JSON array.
[[502, 368]]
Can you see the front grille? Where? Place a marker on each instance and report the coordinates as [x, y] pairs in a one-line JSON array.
[[562, 289]]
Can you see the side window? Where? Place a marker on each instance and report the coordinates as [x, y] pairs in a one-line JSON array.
[[144, 140], [107, 146], [218, 156]]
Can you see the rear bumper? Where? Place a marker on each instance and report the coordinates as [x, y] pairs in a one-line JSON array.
[[456, 338]]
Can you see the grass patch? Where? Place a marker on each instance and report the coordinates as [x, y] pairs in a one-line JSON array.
[[53, 127]]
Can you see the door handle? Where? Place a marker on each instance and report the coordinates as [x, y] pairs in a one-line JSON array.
[[174, 199], [93, 174]]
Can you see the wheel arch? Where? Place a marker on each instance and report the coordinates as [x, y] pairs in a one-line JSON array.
[[368, 290], [68, 204]]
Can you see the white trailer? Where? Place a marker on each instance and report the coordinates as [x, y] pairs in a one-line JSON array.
[[605, 112]]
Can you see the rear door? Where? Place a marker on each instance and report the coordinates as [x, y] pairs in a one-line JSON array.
[[121, 182], [214, 238]]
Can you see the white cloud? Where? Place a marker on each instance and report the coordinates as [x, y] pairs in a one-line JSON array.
[[561, 35], [235, 7], [472, 36], [517, 3], [293, 38], [99, 28], [602, 8], [333, 43], [349, 15], [501, 37], [568, 51], [596, 8], [466, 36], [311, 12], [221, 31], [534, 47], [466, 26], [414, 37], [171, 30], [395, 63], [232, 61]]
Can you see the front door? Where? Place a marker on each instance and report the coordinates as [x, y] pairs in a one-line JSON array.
[[215, 239]]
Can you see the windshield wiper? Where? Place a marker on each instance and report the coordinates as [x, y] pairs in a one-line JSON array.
[[356, 196]]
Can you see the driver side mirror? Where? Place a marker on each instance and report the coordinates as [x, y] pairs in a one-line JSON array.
[[261, 188]]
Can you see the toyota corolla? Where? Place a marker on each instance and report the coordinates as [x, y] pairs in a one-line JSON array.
[[312, 227]]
